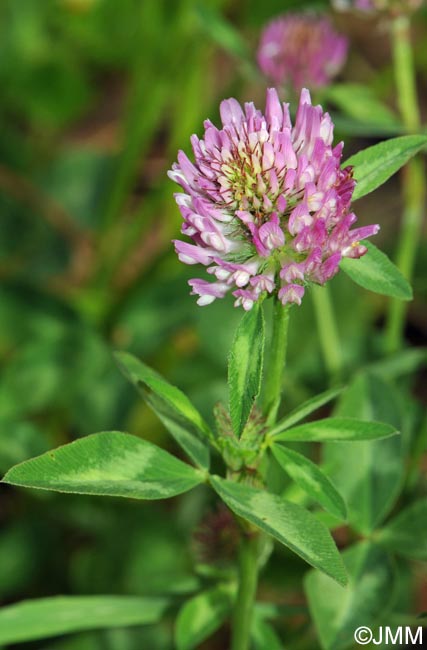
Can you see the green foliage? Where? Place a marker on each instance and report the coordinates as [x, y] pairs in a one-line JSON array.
[[96, 97], [108, 463], [47, 617], [405, 533], [398, 365], [287, 522], [368, 474], [338, 611], [19, 558], [201, 616], [341, 428], [359, 102], [375, 165], [222, 32], [174, 408], [245, 367], [263, 635], [19, 440], [374, 271], [305, 409], [311, 479]]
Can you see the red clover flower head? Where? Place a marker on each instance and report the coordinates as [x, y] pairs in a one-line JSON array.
[[302, 50], [265, 203]]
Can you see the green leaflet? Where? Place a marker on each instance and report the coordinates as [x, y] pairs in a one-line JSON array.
[[245, 367], [222, 32], [359, 102], [108, 464], [311, 479], [305, 409], [200, 616], [336, 429], [406, 533], [353, 127], [400, 364], [172, 406], [287, 522], [338, 611], [368, 474], [374, 165], [264, 637], [46, 617], [375, 272]]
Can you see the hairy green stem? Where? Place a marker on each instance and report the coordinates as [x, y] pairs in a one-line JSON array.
[[413, 187], [328, 332], [246, 592], [276, 361]]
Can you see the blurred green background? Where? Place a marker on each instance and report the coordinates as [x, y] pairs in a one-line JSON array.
[[96, 97]]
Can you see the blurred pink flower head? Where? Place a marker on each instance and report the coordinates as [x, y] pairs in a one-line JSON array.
[[361, 5], [266, 203], [393, 6], [301, 50]]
